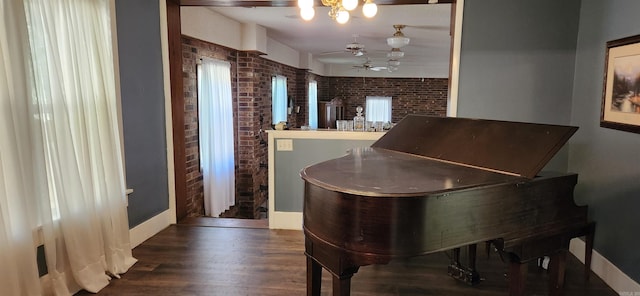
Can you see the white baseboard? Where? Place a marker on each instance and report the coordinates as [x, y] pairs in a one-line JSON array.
[[285, 220], [149, 228], [609, 273]]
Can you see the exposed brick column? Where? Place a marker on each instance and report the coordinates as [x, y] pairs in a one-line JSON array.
[[252, 89]]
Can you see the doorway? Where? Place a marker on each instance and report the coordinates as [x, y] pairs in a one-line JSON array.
[[177, 85]]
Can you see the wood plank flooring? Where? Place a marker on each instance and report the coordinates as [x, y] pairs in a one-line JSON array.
[[204, 260]]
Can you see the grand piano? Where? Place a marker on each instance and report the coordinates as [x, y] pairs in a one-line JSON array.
[[434, 183]]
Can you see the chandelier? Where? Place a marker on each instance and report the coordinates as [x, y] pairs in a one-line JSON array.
[[339, 9]]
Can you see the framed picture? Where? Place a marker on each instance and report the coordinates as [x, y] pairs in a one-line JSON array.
[[621, 92]]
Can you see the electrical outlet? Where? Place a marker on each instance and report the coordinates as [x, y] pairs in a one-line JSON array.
[[284, 145]]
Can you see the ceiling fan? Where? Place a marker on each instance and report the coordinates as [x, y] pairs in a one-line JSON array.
[[355, 48], [368, 66]]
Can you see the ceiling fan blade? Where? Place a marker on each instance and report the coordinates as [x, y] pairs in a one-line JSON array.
[[334, 52], [430, 27]]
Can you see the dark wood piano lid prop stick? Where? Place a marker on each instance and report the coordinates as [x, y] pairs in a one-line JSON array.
[[432, 184]]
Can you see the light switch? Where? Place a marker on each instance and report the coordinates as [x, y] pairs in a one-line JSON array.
[[284, 145]]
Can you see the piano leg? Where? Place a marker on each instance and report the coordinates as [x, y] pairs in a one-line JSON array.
[[557, 273], [314, 277], [471, 253], [342, 285], [517, 277]]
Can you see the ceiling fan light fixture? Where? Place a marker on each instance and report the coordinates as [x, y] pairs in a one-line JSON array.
[[398, 40], [369, 9], [395, 53]]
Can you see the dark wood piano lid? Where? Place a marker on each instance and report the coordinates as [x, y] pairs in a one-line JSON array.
[[367, 171], [522, 149]]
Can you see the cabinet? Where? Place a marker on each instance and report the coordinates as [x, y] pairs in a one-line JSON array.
[[329, 112]]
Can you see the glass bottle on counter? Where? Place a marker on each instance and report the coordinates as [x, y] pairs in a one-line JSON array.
[[358, 120]]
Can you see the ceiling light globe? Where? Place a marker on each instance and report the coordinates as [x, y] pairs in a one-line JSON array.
[[369, 9], [342, 17], [305, 3], [307, 13], [395, 54], [349, 4], [398, 41]]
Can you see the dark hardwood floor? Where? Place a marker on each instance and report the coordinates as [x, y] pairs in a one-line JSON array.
[[203, 260]]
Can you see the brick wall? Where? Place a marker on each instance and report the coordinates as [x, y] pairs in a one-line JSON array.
[[409, 95], [251, 82]]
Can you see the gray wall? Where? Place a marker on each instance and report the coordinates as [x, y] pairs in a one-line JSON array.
[[517, 60], [607, 160], [288, 164], [142, 88], [543, 61]]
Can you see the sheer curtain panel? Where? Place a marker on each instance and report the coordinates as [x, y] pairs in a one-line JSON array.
[[216, 136], [279, 98], [378, 109], [65, 157], [313, 104], [19, 273]]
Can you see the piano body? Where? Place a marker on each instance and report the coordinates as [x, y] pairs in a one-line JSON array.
[[432, 184]]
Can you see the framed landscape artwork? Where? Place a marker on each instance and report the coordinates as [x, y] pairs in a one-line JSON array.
[[621, 92]]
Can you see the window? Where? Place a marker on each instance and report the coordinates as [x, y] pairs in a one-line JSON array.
[[378, 109], [313, 104], [278, 98]]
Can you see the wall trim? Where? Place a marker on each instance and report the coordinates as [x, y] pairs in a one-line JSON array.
[[285, 220], [164, 42], [603, 268], [452, 104], [151, 227]]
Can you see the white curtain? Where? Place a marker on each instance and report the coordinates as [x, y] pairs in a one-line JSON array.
[[65, 159], [378, 109], [279, 98], [216, 136], [313, 104], [19, 274]]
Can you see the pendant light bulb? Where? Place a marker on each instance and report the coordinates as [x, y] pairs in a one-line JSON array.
[[342, 17], [307, 13], [349, 4], [369, 9], [305, 3]]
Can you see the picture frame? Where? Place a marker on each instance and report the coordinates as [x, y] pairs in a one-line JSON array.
[[621, 90]]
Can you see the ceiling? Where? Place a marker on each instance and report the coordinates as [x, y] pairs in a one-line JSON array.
[[427, 26]]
